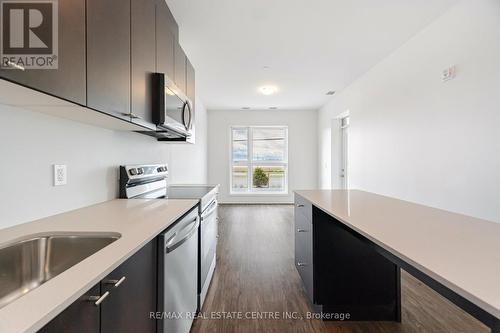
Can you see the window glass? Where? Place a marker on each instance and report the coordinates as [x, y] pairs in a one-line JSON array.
[[240, 144], [268, 178], [269, 144], [259, 160], [239, 178]]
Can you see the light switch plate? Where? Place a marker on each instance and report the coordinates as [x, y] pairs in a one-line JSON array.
[[60, 175]]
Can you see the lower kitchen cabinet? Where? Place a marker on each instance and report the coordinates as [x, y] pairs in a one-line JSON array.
[[124, 300], [341, 274], [80, 317], [304, 251], [132, 294]]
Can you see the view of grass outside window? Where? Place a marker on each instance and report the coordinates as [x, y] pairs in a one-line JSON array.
[[259, 158]]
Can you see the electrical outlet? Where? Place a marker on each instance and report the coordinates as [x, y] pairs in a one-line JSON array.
[[60, 175]]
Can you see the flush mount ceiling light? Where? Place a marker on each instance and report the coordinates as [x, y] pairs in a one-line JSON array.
[[268, 90]]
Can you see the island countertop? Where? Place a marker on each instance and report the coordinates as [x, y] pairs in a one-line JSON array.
[[460, 252], [137, 221]]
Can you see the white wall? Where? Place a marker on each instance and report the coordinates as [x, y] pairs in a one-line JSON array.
[[416, 138], [302, 150], [30, 143]]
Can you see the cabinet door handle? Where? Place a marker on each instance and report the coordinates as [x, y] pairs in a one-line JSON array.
[[131, 115], [301, 264], [99, 299], [300, 205], [302, 230], [15, 66], [116, 283]]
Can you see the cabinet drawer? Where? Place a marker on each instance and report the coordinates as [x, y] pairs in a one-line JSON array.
[[303, 207], [304, 260], [302, 222]]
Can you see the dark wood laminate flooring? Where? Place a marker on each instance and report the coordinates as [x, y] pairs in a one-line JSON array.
[[256, 276]]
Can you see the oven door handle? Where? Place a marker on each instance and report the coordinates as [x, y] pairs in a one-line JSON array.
[[209, 212], [196, 224]]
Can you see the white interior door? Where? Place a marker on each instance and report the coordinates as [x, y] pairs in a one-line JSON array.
[[344, 153]]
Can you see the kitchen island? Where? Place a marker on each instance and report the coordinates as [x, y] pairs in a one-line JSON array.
[[456, 255]]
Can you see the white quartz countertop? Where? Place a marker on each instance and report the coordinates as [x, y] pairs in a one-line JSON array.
[[460, 252], [138, 222]]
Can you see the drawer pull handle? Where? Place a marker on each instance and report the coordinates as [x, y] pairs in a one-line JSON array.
[[300, 205], [301, 264], [15, 66], [99, 299], [116, 283], [302, 230]]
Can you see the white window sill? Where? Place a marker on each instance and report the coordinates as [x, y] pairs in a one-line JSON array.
[[258, 194]]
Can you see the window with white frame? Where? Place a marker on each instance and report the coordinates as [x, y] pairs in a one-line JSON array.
[[259, 160]]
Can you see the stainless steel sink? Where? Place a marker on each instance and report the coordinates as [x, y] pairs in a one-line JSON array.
[[29, 262]]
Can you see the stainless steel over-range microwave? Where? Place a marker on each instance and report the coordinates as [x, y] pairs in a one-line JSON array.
[[173, 113]]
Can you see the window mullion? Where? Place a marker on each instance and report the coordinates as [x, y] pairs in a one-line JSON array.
[[250, 158]]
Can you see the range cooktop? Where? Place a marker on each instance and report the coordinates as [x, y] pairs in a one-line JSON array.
[[188, 191]]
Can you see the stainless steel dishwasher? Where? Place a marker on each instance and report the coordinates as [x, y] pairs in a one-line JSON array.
[[178, 274]]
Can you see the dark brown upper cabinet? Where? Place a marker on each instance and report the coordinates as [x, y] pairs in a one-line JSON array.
[[169, 20], [68, 80], [190, 81], [180, 67], [165, 40], [143, 60], [108, 57]]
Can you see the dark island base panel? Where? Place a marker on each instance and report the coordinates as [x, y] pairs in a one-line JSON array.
[[353, 275], [354, 282]]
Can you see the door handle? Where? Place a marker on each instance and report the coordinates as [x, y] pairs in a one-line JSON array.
[[301, 264], [302, 230], [300, 205]]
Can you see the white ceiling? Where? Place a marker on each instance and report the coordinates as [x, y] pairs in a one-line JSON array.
[[310, 46]]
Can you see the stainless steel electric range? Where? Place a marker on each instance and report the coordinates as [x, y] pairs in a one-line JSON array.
[[151, 182]]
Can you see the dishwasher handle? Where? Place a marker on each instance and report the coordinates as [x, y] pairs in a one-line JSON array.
[[192, 231], [209, 211]]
